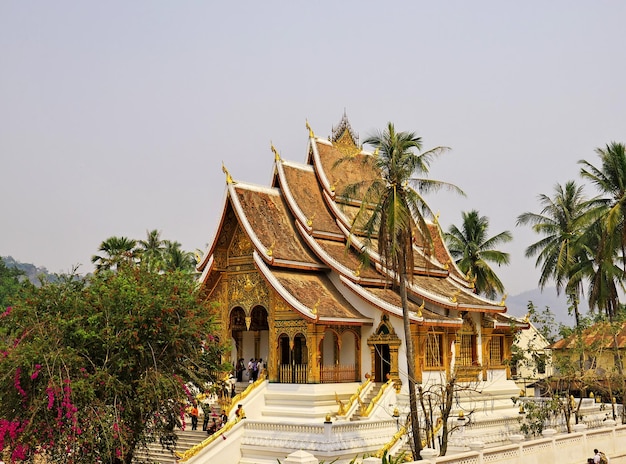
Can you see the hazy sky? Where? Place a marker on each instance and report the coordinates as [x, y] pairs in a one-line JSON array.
[[115, 117]]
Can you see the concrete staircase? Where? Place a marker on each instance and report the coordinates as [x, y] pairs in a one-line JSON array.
[[156, 454]]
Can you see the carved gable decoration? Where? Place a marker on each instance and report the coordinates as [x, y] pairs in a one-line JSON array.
[[240, 245], [247, 290], [228, 229], [345, 139]]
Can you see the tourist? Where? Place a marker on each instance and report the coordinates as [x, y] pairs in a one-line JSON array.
[[239, 412], [212, 428], [255, 370], [223, 418], [194, 416], [599, 457], [239, 370], [250, 365]]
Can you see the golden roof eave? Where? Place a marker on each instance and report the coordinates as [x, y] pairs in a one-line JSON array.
[[310, 313]]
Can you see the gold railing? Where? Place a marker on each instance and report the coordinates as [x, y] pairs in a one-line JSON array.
[[353, 398], [375, 400], [240, 396], [191, 452], [293, 373], [402, 431]]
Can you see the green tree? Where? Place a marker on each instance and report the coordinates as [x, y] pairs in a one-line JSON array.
[[560, 251], [392, 210], [91, 370], [151, 250], [175, 258], [473, 251], [610, 180], [9, 284], [115, 253]]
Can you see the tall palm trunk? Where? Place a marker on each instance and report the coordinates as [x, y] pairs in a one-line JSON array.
[[410, 363]]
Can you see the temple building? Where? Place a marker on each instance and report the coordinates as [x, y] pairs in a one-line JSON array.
[[285, 277]]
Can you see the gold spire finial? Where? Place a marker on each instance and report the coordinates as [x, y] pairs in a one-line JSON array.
[[308, 126], [270, 250], [437, 218], [503, 299], [527, 317], [229, 179], [276, 154], [420, 309]]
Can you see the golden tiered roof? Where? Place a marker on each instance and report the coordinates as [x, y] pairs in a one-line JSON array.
[[304, 246]]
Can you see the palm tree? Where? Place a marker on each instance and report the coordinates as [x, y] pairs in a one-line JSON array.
[[607, 236], [560, 251], [152, 250], [116, 252], [610, 180], [472, 251], [176, 259], [392, 209]]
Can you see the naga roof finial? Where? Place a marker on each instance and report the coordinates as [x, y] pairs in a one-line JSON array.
[[276, 154], [229, 179], [308, 126]]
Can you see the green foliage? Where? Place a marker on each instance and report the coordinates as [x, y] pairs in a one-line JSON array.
[[155, 254], [91, 369], [472, 249], [536, 414], [10, 284]]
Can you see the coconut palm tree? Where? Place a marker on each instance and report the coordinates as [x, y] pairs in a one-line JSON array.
[[152, 250], [392, 211], [610, 180], [174, 258], [472, 251], [560, 251], [115, 252]]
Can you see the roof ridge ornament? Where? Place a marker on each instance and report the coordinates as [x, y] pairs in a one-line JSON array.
[[229, 179], [342, 129], [311, 133], [276, 154]]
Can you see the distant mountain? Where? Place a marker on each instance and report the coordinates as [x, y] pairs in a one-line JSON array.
[[517, 305], [32, 272]]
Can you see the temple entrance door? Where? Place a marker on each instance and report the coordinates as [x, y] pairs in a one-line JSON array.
[[382, 366], [384, 344], [250, 336]]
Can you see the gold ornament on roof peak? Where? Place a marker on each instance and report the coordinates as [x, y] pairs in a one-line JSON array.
[[421, 308], [503, 300], [437, 218], [308, 126], [527, 317], [454, 296], [314, 308], [229, 179], [276, 154]]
